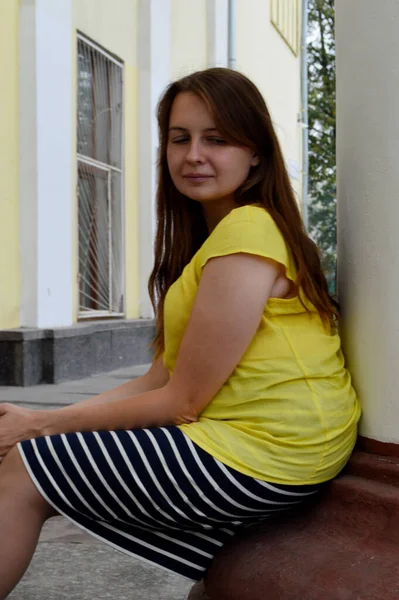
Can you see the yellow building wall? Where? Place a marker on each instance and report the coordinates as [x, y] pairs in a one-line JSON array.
[[188, 36], [113, 25], [264, 56], [9, 202]]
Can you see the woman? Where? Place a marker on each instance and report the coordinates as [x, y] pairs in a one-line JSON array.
[[247, 409]]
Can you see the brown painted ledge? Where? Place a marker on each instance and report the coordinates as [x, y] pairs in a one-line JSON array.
[[346, 547]]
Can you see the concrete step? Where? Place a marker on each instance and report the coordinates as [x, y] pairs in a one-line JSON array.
[[346, 547]]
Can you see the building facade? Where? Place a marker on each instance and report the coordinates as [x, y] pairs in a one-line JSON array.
[[78, 145]]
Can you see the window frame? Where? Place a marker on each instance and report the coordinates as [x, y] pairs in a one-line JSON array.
[[109, 170]]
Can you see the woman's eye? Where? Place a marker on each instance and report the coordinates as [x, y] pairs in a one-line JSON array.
[[179, 140], [217, 140]]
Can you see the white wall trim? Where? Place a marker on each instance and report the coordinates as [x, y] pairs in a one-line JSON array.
[[217, 34], [28, 164], [154, 75], [368, 209], [45, 79]]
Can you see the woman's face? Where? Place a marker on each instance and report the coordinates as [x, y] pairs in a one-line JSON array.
[[202, 164]]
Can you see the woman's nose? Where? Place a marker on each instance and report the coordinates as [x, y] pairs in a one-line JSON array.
[[194, 152]]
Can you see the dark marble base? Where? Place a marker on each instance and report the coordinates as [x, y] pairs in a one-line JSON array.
[[29, 356]]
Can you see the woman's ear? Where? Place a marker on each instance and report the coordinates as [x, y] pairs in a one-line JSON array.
[[255, 160]]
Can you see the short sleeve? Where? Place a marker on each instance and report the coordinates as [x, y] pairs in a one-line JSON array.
[[251, 230]]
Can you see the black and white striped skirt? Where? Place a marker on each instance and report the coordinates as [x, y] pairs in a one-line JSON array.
[[152, 493]]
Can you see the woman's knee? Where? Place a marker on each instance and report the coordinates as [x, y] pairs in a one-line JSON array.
[[15, 480], [12, 466]]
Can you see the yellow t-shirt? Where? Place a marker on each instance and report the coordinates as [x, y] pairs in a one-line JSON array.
[[288, 413]]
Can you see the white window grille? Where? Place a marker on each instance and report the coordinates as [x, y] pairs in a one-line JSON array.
[[100, 182], [284, 15]]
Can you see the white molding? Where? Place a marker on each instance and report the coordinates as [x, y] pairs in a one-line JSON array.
[[45, 80], [28, 165], [154, 75], [217, 34], [98, 48]]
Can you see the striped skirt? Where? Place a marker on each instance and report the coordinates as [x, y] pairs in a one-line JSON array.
[[152, 493]]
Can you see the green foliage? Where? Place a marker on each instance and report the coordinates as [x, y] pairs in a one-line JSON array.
[[322, 133]]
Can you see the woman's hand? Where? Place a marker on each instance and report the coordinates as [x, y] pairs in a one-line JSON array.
[[17, 424]]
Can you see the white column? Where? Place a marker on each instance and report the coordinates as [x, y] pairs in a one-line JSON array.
[[45, 141], [217, 34], [154, 76], [368, 205]]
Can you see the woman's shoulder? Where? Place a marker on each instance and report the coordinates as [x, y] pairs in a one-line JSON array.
[[248, 229], [243, 218], [250, 213]]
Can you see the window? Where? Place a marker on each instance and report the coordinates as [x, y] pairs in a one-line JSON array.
[[285, 18], [99, 182]]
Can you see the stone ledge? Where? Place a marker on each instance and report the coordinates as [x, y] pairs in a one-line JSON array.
[[343, 548], [82, 328], [30, 357], [21, 335], [374, 468]]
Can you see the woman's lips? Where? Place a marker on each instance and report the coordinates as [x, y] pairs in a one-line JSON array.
[[197, 178]]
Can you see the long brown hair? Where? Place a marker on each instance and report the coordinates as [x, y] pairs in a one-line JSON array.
[[242, 117]]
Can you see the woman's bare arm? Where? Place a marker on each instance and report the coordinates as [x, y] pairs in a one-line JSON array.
[[226, 314], [224, 319]]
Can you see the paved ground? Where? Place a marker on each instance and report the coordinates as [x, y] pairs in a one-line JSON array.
[[70, 564], [62, 394]]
